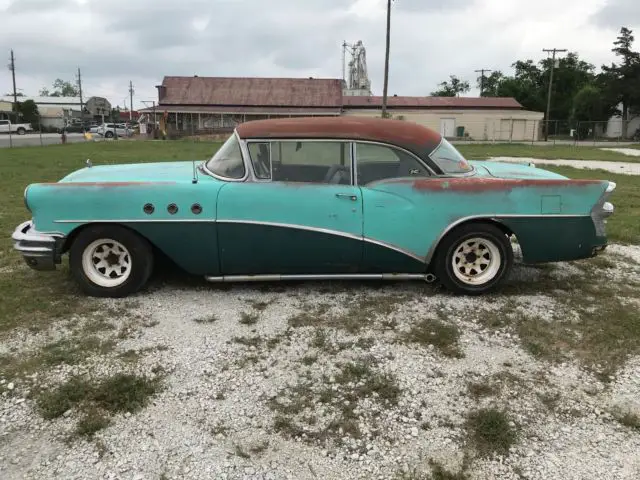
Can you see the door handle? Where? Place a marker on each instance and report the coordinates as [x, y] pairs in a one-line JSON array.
[[350, 196]]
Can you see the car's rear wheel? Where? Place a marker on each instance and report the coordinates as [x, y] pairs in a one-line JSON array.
[[21, 131], [110, 261], [474, 258]]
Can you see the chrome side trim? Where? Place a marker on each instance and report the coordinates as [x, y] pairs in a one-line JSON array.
[[141, 220], [295, 226], [350, 276], [495, 218], [395, 248]]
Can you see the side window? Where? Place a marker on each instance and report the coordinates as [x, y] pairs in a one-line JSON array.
[[302, 161], [4, 122], [378, 162]]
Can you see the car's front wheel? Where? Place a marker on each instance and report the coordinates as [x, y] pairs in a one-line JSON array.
[[21, 131], [110, 261], [474, 258], [108, 135]]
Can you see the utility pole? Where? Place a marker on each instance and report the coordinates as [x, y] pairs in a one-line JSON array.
[[386, 62], [553, 51], [12, 67], [130, 100], [481, 71], [80, 92]]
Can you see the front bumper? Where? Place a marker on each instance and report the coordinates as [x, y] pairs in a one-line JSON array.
[[41, 251]]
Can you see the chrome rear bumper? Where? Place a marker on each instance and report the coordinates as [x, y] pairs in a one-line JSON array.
[[41, 251]]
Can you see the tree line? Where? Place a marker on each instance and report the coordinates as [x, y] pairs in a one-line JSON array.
[[579, 92]]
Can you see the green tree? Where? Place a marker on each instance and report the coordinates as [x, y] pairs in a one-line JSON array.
[[28, 110], [491, 83], [453, 88], [621, 80], [61, 88]]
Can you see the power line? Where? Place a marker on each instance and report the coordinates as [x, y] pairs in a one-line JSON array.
[[553, 51], [481, 71]]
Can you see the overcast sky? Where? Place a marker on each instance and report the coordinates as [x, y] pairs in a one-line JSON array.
[[114, 41]]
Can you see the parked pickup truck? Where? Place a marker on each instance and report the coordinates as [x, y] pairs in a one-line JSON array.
[[20, 128]]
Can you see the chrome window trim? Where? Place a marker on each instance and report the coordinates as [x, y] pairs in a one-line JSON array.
[[393, 146], [244, 162], [305, 140], [448, 174], [254, 176]]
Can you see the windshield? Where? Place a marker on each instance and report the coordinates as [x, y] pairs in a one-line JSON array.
[[227, 161], [449, 159]]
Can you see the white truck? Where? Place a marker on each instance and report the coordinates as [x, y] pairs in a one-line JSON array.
[[20, 128]]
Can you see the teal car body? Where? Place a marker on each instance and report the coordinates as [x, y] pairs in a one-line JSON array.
[[231, 222]]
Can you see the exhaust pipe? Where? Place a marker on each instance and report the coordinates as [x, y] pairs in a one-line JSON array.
[[429, 278]]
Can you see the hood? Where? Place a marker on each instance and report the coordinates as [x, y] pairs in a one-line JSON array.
[[135, 172], [512, 170]]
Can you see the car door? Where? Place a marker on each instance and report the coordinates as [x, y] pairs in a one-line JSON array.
[[4, 126], [395, 227], [302, 215]]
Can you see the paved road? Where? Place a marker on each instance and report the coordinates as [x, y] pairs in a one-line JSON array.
[[35, 139]]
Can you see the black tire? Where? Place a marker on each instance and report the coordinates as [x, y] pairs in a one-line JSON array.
[[108, 135], [495, 242], [21, 131], [140, 260]]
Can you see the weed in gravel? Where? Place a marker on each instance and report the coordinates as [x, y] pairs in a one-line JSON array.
[[259, 447], [309, 360], [627, 418], [207, 319], [339, 395], [219, 429], [320, 338], [93, 421], [240, 451], [365, 343], [259, 305], [249, 318], [491, 431], [549, 400], [478, 390], [438, 472], [119, 393], [442, 336], [254, 341]]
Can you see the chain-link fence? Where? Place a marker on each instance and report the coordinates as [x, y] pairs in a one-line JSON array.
[[463, 127]]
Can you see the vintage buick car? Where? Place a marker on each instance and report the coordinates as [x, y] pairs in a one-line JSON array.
[[313, 198]]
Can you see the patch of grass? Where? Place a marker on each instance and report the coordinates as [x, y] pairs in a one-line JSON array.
[[484, 150], [118, 393], [93, 421], [482, 389], [249, 318], [220, 429], [73, 350], [320, 338], [259, 447], [207, 319], [254, 341], [490, 431], [439, 472], [309, 360], [259, 305], [628, 419], [549, 400], [240, 451], [442, 336]]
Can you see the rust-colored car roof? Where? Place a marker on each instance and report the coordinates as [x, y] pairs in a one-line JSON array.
[[409, 135]]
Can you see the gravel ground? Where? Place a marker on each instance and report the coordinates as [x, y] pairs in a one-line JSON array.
[[627, 168], [216, 415], [634, 152]]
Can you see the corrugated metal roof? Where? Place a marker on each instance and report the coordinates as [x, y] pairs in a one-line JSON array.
[[246, 91], [205, 109], [432, 102]]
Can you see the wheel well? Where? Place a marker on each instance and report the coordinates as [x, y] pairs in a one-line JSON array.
[[484, 221], [74, 234]]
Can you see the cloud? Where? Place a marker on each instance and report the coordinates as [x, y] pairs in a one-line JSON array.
[[115, 41], [618, 13]]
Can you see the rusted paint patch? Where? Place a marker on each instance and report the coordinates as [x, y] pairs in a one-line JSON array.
[[103, 184], [483, 184], [416, 138]]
